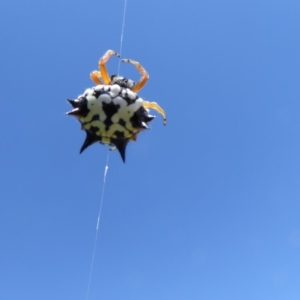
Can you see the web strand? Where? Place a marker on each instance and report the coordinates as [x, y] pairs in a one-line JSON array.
[[122, 34], [98, 224], [105, 171]]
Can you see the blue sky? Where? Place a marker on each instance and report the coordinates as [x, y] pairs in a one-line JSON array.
[[206, 207]]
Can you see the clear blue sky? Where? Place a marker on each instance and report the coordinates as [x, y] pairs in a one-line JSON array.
[[205, 208]]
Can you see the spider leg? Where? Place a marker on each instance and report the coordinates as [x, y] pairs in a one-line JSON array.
[[95, 76], [142, 71], [133, 138], [103, 60], [156, 107]]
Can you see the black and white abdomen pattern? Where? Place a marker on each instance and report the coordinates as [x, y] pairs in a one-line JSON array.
[[110, 114]]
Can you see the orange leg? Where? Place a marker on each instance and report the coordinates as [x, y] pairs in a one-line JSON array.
[[103, 60], [95, 76], [142, 71], [133, 138], [156, 107]]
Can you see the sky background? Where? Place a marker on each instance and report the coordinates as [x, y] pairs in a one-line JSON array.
[[206, 207]]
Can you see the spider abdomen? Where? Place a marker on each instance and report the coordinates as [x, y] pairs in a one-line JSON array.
[[110, 114]]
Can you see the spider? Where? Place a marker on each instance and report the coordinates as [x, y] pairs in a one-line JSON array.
[[111, 112], [122, 81]]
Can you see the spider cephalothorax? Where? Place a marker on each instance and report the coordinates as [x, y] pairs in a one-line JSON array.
[[111, 112], [122, 81]]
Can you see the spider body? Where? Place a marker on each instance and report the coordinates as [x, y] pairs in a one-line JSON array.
[[122, 81], [112, 113]]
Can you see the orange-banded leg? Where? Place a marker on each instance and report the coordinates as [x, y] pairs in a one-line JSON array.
[[96, 75], [156, 107], [138, 86]]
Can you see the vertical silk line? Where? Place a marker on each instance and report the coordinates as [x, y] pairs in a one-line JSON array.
[[105, 171], [97, 226], [122, 34]]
